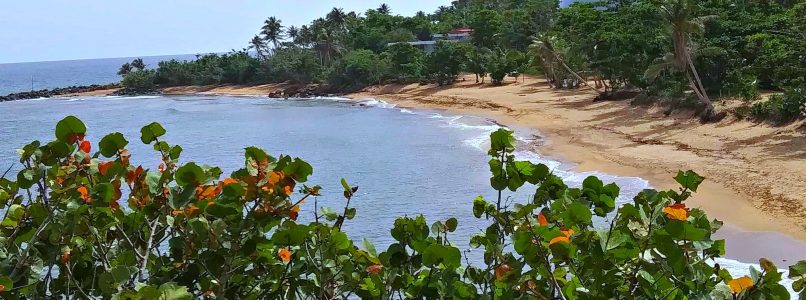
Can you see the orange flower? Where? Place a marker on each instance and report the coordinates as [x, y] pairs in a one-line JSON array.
[[375, 269], [191, 211], [85, 146], [65, 257], [294, 212], [177, 212], [501, 271], [541, 219], [568, 232], [131, 176], [285, 255], [275, 177], [676, 212], [740, 284], [103, 167], [560, 239], [2, 288], [288, 190], [85, 194], [229, 181], [124, 156], [207, 192]]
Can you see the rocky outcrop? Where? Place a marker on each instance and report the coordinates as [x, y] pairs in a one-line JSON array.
[[301, 91], [48, 93]]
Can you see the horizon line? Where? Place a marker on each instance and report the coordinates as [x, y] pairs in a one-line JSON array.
[[96, 58]]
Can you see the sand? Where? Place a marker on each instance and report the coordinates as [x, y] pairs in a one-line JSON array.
[[756, 173]]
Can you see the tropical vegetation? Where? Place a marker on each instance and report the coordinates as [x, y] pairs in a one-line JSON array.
[[685, 52], [83, 220]]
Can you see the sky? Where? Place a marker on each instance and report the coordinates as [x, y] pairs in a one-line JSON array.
[[46, 30]]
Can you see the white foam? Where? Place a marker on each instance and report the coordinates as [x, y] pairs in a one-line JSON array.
[[376, 103], [142, 97], [629, 186]]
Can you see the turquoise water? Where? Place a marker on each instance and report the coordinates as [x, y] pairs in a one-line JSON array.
[[405, 162]]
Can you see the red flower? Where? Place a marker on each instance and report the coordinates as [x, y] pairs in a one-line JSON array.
[[375, 269], [85, 146]]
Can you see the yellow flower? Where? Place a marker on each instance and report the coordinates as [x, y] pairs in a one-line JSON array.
[[740, 284], [676, 212]]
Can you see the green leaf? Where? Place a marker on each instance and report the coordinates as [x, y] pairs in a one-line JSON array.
[[350, 213], [329, 214], [299, 170], [190, 173], [346, 186], [436, 254], [451, 224], [479, 206], [577, 214], [502, 140], [151, 132], [112, 143], [369, 247], [173, 291], [689, 180], [175, 152], [798, 270], [69, 126], [7, 282], [105, 192]]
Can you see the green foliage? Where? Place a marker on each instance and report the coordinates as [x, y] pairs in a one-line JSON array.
[[445, 63], [781, 108], [406, 62], [187, 234], [358, 69], [139, 81], [293, 64]]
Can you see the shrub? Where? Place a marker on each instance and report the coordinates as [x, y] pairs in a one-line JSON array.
[[781, 107], [445, 63], [188, 234], [139, 81], [358, 69], [406, 62]]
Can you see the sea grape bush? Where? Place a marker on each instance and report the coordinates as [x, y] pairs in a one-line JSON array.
[[82, 221]]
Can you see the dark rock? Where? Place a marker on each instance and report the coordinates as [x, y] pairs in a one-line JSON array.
[[46, 93]]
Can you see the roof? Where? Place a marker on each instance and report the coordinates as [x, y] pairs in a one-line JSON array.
[[461, 30]]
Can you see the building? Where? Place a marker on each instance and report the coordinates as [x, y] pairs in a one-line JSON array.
[[455, 36]]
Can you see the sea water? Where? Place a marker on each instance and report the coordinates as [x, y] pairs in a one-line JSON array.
[[406, 162]]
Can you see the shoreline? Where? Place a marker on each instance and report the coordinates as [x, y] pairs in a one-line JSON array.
[[561, 116]]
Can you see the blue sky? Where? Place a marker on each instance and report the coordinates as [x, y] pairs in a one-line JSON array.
[[43, 30]]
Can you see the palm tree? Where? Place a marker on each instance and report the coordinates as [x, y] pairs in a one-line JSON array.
[[327, 44], [125, 69], [384, 9], [336, 18], [257, 44], [138, 64], [272, 31], [543, 47], [679, 16], [293, 34]]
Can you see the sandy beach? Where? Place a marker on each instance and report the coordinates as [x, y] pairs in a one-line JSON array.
[[756, 173]]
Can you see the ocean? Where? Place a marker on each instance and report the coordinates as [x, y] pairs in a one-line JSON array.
[[23, 77], [406, 162]]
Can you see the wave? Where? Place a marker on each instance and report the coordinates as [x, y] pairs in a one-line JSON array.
[[630, 186]]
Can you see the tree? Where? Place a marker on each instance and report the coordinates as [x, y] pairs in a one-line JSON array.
[[125, 69], [384, 9], [293, 34], [679, 15], [445, 62], [258, 44], [499, 65], [272, 31], [485, 24], [477, 62], [138, 64], [406, 61]]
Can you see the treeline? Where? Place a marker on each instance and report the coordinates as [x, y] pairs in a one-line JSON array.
[[690, 52]]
